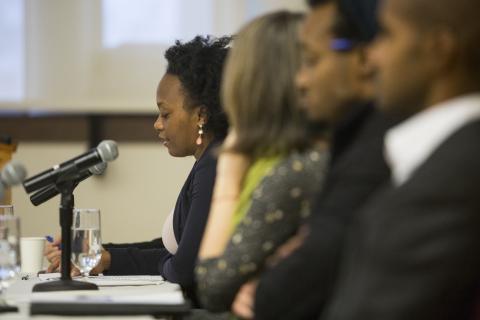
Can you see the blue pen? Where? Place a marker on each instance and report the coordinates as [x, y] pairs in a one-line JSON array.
[[50, 239]]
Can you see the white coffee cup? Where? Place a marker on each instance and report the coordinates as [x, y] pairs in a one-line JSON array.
[[31, 252]]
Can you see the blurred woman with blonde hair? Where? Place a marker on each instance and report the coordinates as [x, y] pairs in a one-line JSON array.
[[268, 171]]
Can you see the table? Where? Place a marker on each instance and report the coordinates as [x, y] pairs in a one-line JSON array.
[[20, 294]]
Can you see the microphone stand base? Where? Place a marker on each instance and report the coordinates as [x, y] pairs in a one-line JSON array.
[[7, 308], [64, 285]]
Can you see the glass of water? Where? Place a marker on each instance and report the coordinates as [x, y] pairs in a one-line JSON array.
[[86, 239], [9, 252]]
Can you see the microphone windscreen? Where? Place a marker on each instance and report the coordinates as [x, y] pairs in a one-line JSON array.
[[98, 169], [108, 150], [13, 173]]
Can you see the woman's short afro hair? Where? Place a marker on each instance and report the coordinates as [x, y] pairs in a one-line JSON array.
[[199, 66]]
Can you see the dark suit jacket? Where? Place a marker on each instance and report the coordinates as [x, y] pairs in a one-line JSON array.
[[299, 285], [414, 252]]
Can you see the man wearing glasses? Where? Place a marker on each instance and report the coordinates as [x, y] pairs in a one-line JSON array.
[[336, 90]]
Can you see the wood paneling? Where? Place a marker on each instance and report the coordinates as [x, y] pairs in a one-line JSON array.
[[92, 128]]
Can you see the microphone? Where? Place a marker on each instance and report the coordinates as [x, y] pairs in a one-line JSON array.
[[12, 174], [106, 151], [51, 191]]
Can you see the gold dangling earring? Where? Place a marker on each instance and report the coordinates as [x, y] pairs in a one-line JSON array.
[[200, 134]]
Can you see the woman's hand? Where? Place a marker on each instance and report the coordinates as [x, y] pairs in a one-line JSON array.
[[287, 248], [54, 255], [103, 265], [244, 301]]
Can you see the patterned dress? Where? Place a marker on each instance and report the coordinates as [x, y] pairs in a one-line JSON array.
[[278, 206]]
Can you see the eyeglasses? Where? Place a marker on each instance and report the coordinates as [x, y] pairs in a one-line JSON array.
[[342, 44]]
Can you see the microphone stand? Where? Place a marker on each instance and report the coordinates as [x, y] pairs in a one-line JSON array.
[[66, 188], [51, 191]]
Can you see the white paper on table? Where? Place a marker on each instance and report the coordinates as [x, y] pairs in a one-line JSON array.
[[110, 281], [154, 297]]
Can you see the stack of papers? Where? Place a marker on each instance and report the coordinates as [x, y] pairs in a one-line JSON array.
[[110, 281], [142, 297], [166, 299]]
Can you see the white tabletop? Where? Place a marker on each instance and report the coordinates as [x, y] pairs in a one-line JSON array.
[[20, 294]]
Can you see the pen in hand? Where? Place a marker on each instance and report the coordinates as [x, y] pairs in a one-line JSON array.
[[53, 254], [50, 240], [56, 264]]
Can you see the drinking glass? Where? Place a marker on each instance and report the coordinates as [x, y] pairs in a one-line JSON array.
[[86, 240], [6, 210], [9, 252]]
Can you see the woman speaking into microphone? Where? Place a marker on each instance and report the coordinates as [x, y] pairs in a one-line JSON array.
[[191, 122]]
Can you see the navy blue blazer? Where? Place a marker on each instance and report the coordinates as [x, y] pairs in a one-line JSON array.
[[189, 220]]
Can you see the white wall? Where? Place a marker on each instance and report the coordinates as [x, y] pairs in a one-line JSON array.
[[68, 70], [137, 192]]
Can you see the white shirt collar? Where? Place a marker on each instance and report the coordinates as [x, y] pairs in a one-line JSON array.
[[410, 143]]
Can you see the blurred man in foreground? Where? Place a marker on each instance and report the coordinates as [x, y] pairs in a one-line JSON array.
[[336, 87], [413, 252]]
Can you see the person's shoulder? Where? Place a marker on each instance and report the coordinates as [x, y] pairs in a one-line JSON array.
[[453, 167], [317, 154], [306, 166], [461, 148], [310, 160], [467, 136]]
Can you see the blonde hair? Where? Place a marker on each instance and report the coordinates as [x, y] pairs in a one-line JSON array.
[[258, 88]]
